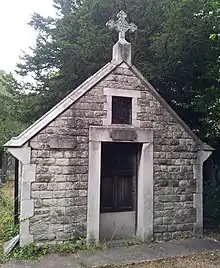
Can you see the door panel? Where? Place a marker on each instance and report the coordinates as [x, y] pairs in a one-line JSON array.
[[118, 190]]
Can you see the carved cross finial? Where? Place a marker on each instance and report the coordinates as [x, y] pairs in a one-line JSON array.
[[121, 25]]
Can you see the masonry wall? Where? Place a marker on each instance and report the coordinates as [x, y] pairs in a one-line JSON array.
[[60, 189]]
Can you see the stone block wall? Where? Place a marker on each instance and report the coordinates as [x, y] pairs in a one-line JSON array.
[[60, 152], [175, 153], [60, 189]]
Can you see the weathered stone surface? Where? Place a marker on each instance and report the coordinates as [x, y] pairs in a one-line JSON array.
[[41, 194], [123, 135], [61, 152]]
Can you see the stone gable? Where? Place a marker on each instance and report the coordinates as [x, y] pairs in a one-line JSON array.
[[60, 152]]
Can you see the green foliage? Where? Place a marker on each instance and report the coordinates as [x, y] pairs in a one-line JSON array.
[[172, 48], [34, 251], [10, 109], [211, 201], [7, 227], [30, 252], [129, 242], [214, 36], [214, 14]]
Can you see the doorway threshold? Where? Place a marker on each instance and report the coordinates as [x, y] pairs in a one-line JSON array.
[[122, 242]]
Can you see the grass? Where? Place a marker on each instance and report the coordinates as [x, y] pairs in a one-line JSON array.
[[7, 227], [32, 251], [9, 230]]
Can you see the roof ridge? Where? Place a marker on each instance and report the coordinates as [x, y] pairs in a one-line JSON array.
[[169, 108], [73, 96], [44, 120]]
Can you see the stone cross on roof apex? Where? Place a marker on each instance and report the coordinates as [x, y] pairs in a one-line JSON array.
[[121, 25]]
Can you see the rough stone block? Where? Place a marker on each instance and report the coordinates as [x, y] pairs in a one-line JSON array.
[[41, 194], [160, 228], [44, 177], [181, 227], [82, 192], [39, 186], [59, 194], [44, 237], [61, 143], [80, 185], [65, 186], [62, 161], [53, 228], [63, 236], [69, 154], [158, 221], [55, 169], [169, 198], [56, 154], [50, 202], [52, 186], [71, 170], [72, 193], [167, 236]]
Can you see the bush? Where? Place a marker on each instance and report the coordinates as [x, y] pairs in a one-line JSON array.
[[211, 204], [7, 227]]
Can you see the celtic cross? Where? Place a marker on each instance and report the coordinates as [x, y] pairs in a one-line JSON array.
[[121, 25]]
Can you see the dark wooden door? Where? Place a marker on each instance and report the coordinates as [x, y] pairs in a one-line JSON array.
[[118, 180]]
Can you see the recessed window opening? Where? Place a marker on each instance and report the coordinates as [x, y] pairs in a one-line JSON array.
[[121, 110]]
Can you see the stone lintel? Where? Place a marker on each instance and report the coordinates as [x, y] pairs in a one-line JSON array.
[[123, 135], [104, 133]]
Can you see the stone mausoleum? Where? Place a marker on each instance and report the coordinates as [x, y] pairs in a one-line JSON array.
[[110, 161]]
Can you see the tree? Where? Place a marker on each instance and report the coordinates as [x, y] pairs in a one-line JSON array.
[[213, 11], [75, 45], [10, 112], [172, 48], [189, 73]]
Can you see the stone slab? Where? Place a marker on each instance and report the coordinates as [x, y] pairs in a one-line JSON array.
[[123, 134], [122, 255], [148, 252], [9, 245], [62, 143], [51, 261]]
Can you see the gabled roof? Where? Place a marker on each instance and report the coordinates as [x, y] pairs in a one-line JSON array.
[[64, 104], [160, 99], [47, 118]]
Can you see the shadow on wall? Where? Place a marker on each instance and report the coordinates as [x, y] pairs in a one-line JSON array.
[[211, 191]]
